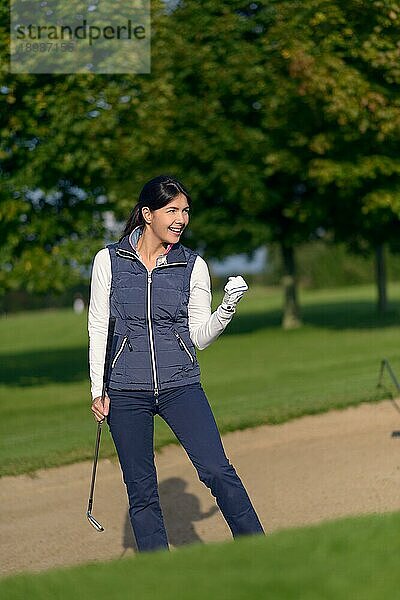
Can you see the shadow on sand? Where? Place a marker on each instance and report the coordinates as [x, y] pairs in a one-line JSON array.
[[180, 509]]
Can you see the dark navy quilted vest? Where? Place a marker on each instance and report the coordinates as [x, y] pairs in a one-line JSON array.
[[152, 349]]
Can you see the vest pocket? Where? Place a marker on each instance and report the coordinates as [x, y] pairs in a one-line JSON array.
[[183, 346], [119, 351]]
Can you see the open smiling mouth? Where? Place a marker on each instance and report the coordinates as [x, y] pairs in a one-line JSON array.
[[176, 231]]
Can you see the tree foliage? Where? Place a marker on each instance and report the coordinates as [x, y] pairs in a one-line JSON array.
[[293, 114], [71, 148], [344, 64]]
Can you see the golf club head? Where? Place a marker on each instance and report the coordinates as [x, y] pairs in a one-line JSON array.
[[93, 522]]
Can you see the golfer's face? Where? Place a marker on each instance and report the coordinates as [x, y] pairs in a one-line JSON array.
[[169, 222]]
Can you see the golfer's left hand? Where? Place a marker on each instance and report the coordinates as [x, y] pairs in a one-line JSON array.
[[234, 290], [100, 410]]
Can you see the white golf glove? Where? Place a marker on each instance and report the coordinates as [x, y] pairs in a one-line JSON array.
[[234, 289]]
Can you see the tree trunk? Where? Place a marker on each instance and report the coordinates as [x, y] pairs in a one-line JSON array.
[[291, 312], [380, 273]]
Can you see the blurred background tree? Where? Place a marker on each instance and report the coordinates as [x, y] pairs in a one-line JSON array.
[[343, 59]]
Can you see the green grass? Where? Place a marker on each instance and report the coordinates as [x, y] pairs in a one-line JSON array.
[[255, 373], [353, 558]]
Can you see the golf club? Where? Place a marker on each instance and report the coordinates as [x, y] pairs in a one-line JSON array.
[[107, 361]]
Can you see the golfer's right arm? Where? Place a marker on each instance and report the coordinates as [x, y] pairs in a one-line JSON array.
[[98, 316]]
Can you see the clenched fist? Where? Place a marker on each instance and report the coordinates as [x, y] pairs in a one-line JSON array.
[[234, 289]]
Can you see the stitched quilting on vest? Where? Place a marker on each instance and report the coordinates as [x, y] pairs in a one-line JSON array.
[[152, 349]]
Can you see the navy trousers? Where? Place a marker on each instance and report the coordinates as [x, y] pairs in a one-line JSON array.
[[187, 411]]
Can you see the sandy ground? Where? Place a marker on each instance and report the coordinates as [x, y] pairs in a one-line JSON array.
[[305, 471]]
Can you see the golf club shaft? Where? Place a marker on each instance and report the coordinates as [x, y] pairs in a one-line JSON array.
[[107, 362], [95, 459]]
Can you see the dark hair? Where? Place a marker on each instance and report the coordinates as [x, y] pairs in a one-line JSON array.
[[156, 193]]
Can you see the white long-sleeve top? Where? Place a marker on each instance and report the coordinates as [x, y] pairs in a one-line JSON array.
[[204, 327]]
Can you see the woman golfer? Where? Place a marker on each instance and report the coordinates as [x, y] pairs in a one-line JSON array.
[[159, 292]]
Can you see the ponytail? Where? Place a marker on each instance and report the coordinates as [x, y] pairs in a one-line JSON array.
[[135, 219]]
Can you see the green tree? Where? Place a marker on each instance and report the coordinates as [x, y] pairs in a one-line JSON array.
[[286, 123], [344, 62], [61, 137], [233, 137]]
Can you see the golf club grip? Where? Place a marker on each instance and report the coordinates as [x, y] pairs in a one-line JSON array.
[[107, 360]]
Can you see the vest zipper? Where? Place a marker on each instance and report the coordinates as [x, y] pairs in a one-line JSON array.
[[116, 357], [153, 355], [183, 346]]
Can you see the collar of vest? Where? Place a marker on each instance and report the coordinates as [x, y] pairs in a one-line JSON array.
[[175, 255]]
